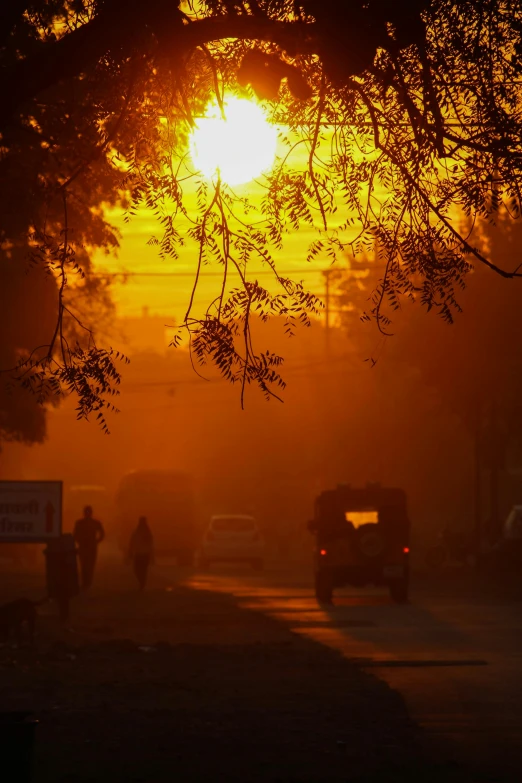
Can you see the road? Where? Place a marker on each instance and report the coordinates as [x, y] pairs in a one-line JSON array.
[[235, 676], [184, 684], [455, 661]]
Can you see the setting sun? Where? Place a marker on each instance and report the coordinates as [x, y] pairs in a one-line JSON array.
[[240, 147]]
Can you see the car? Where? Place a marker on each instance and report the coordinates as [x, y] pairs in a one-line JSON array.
[[505, 556], [361, 538], [512, 530], [232, 538]]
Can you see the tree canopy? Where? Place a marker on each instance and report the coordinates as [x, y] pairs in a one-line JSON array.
[[409, 115]]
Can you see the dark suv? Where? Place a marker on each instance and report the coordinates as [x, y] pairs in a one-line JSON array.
[[362, 538]]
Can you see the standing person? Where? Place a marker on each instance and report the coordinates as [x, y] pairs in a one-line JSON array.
[[141, 551], [88, 533]]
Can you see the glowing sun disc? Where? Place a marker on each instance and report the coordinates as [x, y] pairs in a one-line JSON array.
[[240, 147]]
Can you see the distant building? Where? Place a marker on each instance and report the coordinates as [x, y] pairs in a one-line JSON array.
[[146, 333]]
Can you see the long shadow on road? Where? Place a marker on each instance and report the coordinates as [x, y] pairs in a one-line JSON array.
[[182, 684], [455, 662]]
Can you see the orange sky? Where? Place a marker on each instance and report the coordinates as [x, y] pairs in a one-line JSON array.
[[168, 295]]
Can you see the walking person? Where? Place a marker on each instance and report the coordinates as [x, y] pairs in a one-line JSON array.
[[88, 533], [141, 551]]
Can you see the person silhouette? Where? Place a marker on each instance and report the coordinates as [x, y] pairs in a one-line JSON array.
[[88, 533], [141, 551]]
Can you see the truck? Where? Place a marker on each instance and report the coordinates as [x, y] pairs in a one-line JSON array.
[[361, 538], [167, 499]]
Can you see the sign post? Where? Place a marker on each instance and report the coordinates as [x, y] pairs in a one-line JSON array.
[[30, 511]]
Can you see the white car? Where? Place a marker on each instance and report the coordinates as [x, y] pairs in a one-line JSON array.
[[513, 525], [232, 538]]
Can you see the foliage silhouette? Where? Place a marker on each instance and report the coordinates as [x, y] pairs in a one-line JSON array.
[[409, 114]]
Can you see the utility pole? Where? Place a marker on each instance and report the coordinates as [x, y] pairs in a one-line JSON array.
[[496, 460], [477, 489], [326, 273], [494, 456]]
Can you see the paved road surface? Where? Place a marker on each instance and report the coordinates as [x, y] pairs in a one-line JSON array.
[[456, 662], [178, 684]]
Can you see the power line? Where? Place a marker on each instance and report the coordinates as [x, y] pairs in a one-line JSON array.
[[288, 371], [261, 272]]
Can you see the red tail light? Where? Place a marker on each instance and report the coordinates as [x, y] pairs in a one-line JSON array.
[[210, 536], [256, 536], [323, 552], [406, 550]]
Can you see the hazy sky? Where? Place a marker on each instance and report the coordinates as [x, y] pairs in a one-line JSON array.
[[168, 295]]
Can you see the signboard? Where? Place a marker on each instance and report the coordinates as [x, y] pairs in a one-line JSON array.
[[30, 511]]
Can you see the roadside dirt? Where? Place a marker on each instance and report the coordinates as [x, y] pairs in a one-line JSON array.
[[183, 685]]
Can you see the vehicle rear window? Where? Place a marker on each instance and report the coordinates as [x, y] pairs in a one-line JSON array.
[[358, 518], [233, 525]]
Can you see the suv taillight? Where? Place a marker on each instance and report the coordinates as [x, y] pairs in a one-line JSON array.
[[256, 536], [210, 536]]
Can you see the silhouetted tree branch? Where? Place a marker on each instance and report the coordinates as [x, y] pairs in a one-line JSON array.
[[411, 114]]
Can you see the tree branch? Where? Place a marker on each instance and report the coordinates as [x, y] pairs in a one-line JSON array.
[[121, 28], [10, 14]]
